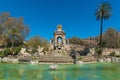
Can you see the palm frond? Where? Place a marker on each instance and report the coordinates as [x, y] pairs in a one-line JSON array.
[[103, 11]]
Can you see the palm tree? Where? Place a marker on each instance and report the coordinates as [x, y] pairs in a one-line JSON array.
[[102, 13]]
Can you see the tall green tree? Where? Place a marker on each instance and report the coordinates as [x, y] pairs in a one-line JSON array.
[[14, 34], [13, 30], [3, 29], [102, 13], [111, 38]]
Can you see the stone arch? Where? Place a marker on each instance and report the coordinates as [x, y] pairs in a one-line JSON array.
[[59, 40]]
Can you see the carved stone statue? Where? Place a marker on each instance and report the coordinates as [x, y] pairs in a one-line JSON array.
[[24, 53], [40, 50]]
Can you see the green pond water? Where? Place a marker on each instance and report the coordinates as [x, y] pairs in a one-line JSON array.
[[96, 71]]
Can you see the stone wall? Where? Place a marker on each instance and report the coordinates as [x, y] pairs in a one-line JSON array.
[[88, 58], [107, 51]]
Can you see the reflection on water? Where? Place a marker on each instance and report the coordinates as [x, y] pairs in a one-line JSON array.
[[98, 71]]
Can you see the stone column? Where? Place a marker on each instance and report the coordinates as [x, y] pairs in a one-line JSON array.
[[50, 42]]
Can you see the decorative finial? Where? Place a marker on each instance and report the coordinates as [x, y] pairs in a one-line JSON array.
[[59, 26]]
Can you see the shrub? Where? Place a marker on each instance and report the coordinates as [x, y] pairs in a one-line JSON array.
[[79, 58], [46, 48], [10, 51], [15, 50], [2, 54], [117, 55], [34, 50], [7, 51], [98, 51], [112, 53]]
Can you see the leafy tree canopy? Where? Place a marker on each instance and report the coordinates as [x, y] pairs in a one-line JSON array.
[[12, 30]]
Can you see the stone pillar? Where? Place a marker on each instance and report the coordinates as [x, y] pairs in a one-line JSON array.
[[68, 41], [50, 42]]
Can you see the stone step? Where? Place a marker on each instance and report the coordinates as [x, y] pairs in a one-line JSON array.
[[59, 59], [88, 58]]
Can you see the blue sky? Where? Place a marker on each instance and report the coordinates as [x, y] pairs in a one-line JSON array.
[[76, 16]]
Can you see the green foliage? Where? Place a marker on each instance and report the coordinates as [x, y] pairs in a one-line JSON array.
[[76, 40], [103, 12], [10, 51], [98, 51], [36, 41], [103, 44], [112, 53], [16, 50], [117, 55], [12, 30], [79, 58], [111, 38], [2, 54], [46, 47], [5, 52], [33, 50]]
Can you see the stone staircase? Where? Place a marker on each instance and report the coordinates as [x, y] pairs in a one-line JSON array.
[[56, 59], [88, 58]]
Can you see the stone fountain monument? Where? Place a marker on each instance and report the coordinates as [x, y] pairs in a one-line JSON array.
[[59, 46], [59, 43]]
